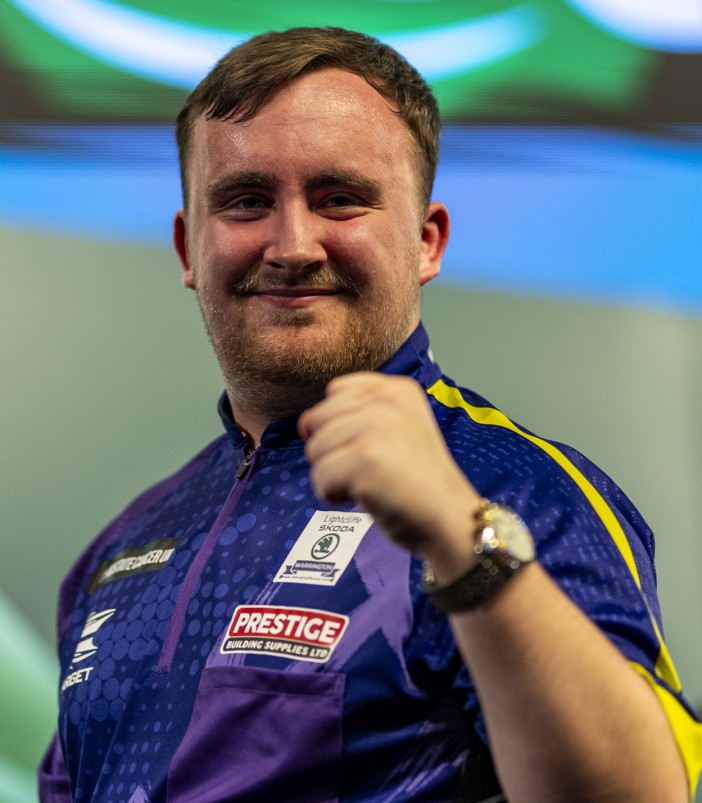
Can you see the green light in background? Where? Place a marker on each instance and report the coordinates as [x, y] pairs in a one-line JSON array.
[[28, 679], [510, 59]]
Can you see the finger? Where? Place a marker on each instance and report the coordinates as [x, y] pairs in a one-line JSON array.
[[343, 398], [304, 426], [319, 416], [332, 475], [370, 386], [374, 386], [312, 418], [358, 380], [340, 430]]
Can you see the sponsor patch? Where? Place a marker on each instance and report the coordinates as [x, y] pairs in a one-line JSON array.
[[147, 558], [325, 548], [86, 647], [303, 634], [79, 676]]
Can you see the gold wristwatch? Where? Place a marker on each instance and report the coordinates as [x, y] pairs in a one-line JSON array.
[[503, 545]]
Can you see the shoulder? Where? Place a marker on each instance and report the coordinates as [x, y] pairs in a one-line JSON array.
[[77, 577], [556, 489]]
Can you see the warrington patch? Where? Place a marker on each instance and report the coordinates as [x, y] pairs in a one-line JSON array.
[[325, 548]]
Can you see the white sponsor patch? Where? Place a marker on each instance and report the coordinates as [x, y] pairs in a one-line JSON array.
[[325, 548], [303, 634]]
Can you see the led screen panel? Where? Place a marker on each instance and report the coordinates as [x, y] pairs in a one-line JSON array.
[[571, 157]]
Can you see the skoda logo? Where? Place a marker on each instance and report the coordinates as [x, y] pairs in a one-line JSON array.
[[324, 546]]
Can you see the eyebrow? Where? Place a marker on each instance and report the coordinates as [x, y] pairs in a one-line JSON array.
[[347, 178], [223, 186]]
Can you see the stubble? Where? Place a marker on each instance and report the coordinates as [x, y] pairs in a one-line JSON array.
[[281, 375]]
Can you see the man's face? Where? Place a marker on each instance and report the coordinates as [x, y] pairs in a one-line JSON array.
[[304, 239]]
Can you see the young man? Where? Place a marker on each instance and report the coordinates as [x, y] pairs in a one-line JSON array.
[[324, 605]]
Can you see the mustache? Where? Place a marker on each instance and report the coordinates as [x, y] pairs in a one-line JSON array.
[[320, 278]]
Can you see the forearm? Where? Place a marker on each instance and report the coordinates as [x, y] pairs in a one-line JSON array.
[[568, 718]]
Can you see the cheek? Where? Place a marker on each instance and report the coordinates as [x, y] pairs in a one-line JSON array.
[[224, 253], [385, 260], [357, 246], [347, 239]]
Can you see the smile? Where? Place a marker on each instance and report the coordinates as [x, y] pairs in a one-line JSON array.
[[296, 292], [293, 297]]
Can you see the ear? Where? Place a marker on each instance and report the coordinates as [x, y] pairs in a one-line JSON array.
[[180, 241], [435, 234]]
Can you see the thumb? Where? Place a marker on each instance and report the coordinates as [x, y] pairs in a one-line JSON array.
[[304, 424]]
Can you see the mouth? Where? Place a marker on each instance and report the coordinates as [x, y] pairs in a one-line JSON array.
[[293, 297], [295, 292]]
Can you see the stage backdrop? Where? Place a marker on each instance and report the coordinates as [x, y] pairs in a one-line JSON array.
[[571, 294]]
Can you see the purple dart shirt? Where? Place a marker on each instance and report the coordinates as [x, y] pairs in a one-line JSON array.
[[231, 638]]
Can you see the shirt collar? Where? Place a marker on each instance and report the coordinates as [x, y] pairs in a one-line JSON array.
[[413, 358]]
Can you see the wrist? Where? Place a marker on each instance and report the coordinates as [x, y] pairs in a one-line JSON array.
[[501, 545], [451, 553]]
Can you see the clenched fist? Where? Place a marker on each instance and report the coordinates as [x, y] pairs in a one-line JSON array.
[[374, 440]]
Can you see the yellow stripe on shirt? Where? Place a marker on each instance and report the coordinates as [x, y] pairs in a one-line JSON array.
[[688, 732]]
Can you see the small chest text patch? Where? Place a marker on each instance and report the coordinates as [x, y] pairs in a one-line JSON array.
[[147, 558], [303, 634], [325, 548]]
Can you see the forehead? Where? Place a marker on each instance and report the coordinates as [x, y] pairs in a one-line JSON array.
[[325, 119]]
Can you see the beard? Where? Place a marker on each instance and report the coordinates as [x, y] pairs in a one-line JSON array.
[[282, 374]]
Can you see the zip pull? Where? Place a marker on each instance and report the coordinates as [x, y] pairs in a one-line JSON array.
[[249, 449], [245, 463]]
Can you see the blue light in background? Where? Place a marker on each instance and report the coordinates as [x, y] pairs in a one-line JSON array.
[[583, 213], [578, 212], [671, 25], [115, 183]]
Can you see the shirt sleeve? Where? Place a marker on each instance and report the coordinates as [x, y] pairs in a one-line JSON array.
[[590, 538], [599, 550]]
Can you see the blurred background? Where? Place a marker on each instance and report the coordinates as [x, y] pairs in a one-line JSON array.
[[571, 294]]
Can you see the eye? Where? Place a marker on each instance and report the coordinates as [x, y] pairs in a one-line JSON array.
[[342, 205], [247, 202], [246, 206], [342, 200]]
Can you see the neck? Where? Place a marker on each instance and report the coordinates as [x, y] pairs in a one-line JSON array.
[[253, 412]]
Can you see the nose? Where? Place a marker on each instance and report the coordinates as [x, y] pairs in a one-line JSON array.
[[296, 240]]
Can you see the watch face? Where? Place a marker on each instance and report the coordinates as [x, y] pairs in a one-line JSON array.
[[513, 534]]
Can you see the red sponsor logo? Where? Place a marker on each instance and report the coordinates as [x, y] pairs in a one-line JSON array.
[[300, 633]]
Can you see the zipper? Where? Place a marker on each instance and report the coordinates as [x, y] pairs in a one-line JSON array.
[[187, 588], [245, 464]]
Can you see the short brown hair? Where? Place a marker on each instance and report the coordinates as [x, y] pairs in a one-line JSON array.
[[249, 74]]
